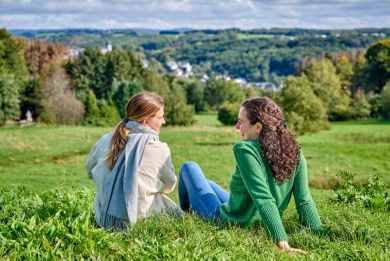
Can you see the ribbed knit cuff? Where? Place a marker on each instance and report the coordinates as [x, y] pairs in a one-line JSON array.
[[310, 218], [273, 223]]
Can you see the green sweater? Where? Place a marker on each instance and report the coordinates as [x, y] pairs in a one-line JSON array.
[[255, 196]]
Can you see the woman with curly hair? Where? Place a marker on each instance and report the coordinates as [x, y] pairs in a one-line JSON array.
[[270, 167]]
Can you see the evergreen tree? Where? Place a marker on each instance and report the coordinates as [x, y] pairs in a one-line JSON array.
[[91, 109], [100, 112], [108, 114], [87, 73], [9, 98], [124, 91], [31, 98]]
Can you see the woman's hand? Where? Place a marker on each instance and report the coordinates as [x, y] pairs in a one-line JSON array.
[[283, 245]]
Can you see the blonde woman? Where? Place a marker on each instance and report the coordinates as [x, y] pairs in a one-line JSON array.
[[131, 168]]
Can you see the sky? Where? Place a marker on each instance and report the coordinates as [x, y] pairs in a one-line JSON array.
[[196, 14]]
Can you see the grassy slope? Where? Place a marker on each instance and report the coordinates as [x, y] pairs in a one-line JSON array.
[[58, 224], [45, 157], [363, 147]]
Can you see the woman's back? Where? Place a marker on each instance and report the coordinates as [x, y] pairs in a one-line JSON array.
[[156, 176]]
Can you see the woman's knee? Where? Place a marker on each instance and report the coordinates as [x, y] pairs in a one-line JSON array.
[[190, 169]]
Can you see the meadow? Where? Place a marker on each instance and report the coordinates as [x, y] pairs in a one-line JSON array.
[[46, 198]]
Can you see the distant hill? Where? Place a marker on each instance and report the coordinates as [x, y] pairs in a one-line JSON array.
[[256, 55]]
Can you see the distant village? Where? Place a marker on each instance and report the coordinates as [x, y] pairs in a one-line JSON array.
[[184, 69]]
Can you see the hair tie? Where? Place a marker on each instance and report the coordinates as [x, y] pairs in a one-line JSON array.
[[125, 120]]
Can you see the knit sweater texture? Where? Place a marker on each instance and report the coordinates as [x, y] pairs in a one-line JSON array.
[[256, 197]]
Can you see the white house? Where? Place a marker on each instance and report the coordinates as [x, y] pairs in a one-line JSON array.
[[107, 49]]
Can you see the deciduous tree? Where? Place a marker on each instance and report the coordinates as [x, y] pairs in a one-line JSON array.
[[327, 87], [385, 96], [304, 111], [59, 99], [378, 61]]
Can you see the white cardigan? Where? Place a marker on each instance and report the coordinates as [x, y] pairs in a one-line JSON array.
[[156, 177]]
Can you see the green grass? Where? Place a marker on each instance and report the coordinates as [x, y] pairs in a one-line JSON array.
[[44, 157], [58, 224], [362, 147], [207, 119], [37, 222], [251, 36]]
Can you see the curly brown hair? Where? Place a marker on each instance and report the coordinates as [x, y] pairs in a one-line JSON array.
[[279, 145]]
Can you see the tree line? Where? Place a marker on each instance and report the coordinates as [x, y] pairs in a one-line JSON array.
[[93, 87]]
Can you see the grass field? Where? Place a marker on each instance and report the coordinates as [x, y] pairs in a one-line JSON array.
[[44, 157], [51, 216], [251, 36]]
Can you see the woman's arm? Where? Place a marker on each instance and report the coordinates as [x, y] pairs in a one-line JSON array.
[[304, 203], [92, 159], [167, 171]]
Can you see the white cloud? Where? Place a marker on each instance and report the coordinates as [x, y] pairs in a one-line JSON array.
[[165, 14]]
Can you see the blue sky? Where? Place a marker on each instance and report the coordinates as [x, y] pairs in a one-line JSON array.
[[200, 14]]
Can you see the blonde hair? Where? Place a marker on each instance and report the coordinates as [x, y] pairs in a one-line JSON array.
[[140, 107]]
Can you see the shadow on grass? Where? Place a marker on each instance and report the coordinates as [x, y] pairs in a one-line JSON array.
[[363, 122], [367, 138]]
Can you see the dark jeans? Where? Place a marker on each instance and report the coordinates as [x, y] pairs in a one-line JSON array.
[[197, 193]]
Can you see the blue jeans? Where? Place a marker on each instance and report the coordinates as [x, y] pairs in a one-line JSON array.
[[197, 193]]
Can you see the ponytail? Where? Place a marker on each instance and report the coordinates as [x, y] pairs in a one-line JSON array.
[[118, 143]]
